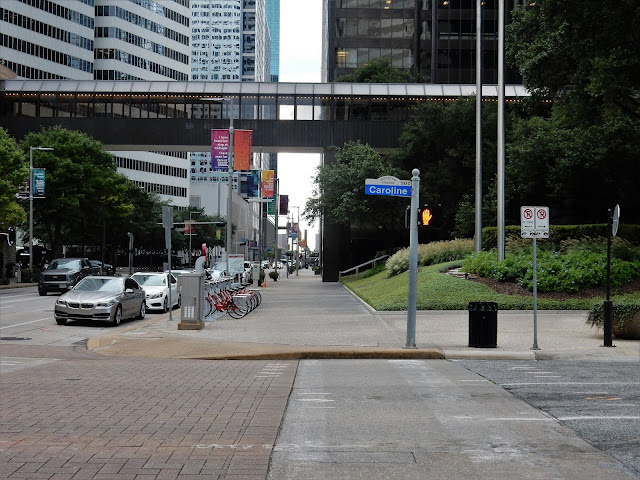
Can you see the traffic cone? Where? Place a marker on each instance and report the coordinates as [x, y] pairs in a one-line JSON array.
[[264, 284]]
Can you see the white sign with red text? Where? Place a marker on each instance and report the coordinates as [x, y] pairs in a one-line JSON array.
[[534, 222]]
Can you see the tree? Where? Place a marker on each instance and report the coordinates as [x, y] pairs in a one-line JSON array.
[[381, 70], [83, 189], [339, 190], [14, 171], [580, 51], [439, 140]]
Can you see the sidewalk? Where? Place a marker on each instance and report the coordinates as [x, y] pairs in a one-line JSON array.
[[302, 317]]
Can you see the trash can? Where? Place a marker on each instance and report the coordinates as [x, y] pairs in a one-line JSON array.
[[483, 324]]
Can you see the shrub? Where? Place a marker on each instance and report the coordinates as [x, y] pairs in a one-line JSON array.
[[274, 275], [622, 312], [430, 254]]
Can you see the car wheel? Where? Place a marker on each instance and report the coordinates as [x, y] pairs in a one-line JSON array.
[[42, 292], [166, 304], [117, 317], [61, 321], [143, 311]]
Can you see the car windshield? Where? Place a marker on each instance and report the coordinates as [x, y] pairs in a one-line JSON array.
[[93, 284], [64, 263], [219, 266], [150, 280]]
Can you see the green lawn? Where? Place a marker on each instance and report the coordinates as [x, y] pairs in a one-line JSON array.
[[439, 291]]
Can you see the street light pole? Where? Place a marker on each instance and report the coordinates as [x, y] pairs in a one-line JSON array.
[[191, 234], [31, 149], [229, 182], [297, 238]]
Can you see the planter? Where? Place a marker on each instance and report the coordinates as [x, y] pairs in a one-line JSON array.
[[628, 329]]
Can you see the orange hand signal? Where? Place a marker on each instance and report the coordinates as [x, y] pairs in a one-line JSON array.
[[426, 216]]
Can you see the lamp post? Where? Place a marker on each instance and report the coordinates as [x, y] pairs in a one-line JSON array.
[[31, 149], [297, 238], [191, 234]]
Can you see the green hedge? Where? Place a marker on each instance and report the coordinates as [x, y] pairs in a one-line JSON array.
[[559, 233]]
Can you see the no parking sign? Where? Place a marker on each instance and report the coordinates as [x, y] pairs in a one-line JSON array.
[[534, 222]]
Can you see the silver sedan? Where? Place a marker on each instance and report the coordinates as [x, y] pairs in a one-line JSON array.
[[110, 299]]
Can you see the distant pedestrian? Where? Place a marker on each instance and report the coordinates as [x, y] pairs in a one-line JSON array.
[[9, 269], [19, 272]]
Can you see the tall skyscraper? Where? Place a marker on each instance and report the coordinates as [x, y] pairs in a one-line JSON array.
[[106, 40], [411, 34], [273, 19]]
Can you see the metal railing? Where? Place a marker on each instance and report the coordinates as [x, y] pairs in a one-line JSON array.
[[357, 268]]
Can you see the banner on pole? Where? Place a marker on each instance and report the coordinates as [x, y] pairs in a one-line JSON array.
[[242, 149], [38, 182], [220, 149], [268, 183]]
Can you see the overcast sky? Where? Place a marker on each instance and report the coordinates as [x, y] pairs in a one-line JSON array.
[[300, 61]]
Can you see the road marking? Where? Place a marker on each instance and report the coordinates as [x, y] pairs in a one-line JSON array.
[[315, 400], [26, 323], [601, 417], [565, 383]]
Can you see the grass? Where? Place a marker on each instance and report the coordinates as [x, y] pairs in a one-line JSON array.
[[439, 291]]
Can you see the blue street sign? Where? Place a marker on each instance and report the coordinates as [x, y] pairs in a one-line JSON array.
[[387, 186]]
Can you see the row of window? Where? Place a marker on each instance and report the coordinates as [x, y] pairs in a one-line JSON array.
[[127, 16], [162, 189], [155, 7], [113, 32], [45, 29], [62, 12], [150, 167], [30, 72], [113, 75], [215, 6], [45, 53], [182, 155], [140, 62]]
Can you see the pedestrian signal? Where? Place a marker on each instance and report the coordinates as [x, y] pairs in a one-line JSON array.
[[430, 216]]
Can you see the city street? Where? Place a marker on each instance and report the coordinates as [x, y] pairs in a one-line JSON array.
[[72, 413]]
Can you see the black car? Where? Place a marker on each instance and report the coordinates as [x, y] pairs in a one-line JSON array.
[[102, 268], [63, 273]]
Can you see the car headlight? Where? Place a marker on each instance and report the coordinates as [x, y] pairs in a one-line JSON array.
[[156, 295], [61, 302], [109, 303]]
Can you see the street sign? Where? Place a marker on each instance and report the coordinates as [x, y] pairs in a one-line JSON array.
[[616, 220], [534, 222], [387, 186]]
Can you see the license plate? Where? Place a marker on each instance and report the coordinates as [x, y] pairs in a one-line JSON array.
[[63, 285]]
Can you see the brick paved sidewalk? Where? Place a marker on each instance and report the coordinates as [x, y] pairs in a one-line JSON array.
[[120, 419]]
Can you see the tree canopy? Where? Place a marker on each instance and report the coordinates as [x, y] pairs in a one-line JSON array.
[[339, 189], [82, 188], [381, 70], [14, 172]]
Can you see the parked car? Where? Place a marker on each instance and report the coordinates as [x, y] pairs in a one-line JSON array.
[[62, 274], [102, 268], [157, 289], [247, 274], [265, 264], [218, 271], [109, 299]]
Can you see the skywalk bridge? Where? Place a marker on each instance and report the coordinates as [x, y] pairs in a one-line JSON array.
[[178, 116]]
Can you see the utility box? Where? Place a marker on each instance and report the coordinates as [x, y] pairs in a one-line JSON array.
[[192, 302], [255, 273]]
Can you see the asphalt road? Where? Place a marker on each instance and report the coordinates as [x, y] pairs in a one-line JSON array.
[[600, 401]]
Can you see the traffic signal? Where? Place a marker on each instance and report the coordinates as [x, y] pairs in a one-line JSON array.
[[430, 216]]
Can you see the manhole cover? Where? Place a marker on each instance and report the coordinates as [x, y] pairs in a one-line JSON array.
[[15, 338]]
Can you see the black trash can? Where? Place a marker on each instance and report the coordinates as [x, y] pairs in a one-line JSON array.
[[483, 324]]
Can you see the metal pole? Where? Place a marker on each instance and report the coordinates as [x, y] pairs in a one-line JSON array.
[[31, 149], [297, 241], [190, 235], [413, 260], [608, 304], [535, 295], [434, 41], [478, 229], [501, 140], [276, 256], [229, 183]]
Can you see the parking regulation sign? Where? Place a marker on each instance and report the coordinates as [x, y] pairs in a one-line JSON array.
[[534, 222]]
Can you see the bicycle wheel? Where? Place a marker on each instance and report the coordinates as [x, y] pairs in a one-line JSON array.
[[208, 306], [236, 311]]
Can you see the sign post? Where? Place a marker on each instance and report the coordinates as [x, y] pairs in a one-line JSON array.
[[613, 220], [167, 223], [534, 223], [390, 186]]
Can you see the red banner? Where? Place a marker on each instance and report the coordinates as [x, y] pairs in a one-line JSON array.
[[242, 149]]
